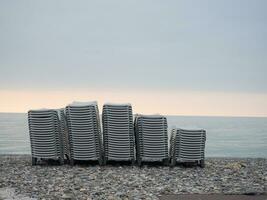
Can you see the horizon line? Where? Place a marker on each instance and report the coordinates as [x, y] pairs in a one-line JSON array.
[[172, 115]]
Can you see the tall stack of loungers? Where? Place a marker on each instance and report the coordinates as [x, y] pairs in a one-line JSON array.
[[151, 136], [118, 132], [45, 135], [187, 146], [84, 132]]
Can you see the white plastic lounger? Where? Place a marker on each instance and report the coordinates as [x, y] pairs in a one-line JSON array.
[[187, 146], [84, 132], [151, 136], [118, 132], [45, 135]]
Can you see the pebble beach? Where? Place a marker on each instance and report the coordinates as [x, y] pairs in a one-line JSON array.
[[20, 180]]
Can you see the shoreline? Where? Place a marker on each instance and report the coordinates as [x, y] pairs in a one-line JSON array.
[[220, 176]]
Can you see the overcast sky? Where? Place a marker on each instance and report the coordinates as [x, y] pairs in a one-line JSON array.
[[201, 46]]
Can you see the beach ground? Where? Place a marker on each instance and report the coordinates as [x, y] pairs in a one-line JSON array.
[[212, 197], [230, 176], [9, 194]]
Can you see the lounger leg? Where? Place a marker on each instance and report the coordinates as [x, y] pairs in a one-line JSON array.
[[202, 163], [100, 161], [173, 162], [67, 157], [71, 161], [34, 161], [61, 161], [139, 162], [104, 161], [133, 161]]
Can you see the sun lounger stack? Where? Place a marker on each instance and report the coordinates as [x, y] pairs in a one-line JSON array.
[[84, 131], [118, 132], [45, 135], [64, 132], [187, 146], [151, 134]]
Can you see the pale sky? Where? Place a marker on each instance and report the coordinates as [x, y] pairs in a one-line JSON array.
[[170, 57]]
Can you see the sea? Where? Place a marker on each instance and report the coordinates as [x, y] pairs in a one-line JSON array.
[[226, 136]]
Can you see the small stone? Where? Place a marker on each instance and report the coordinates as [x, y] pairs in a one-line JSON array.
[[67, 196], [110, 197]]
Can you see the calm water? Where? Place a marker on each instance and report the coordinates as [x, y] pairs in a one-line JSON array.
[[226, 136]]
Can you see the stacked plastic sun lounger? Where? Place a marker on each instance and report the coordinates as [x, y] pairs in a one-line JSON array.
[[84, 131], [118, 132], [151, 134], [45, 135], [187, 146]]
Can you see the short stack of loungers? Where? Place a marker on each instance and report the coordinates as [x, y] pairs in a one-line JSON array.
[[187, 146], [84, 132], [45, 135], [151, 137], [64, 133], [118, 132]]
